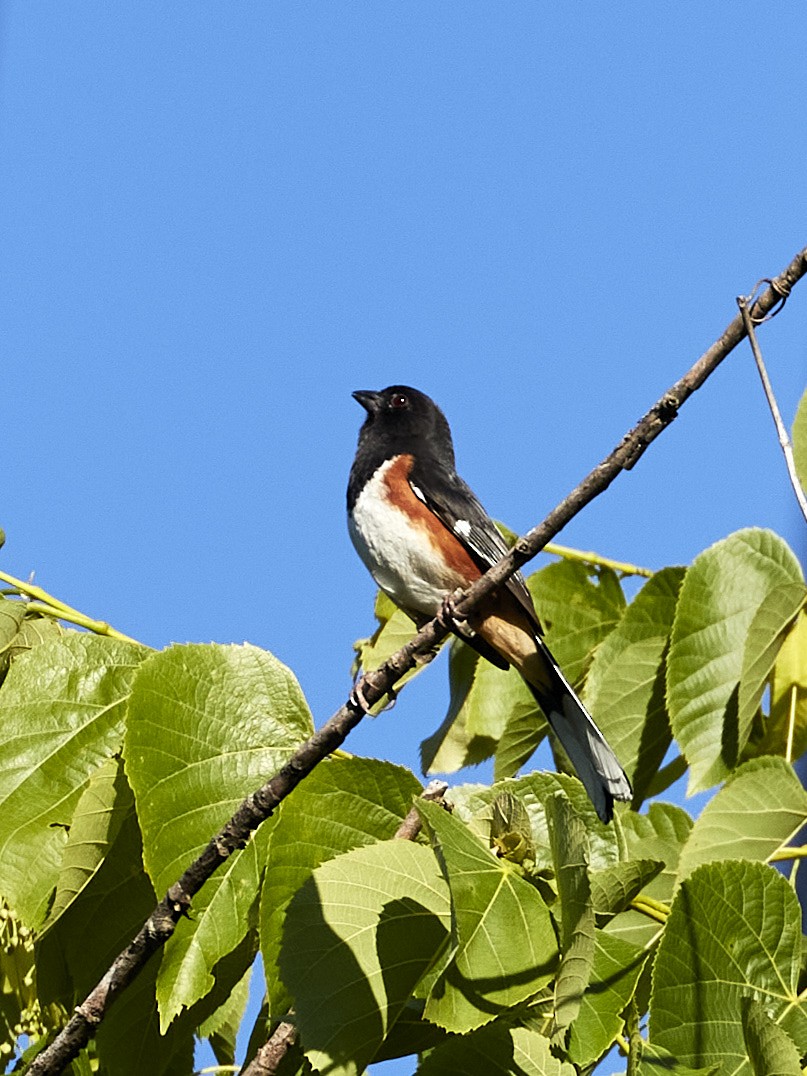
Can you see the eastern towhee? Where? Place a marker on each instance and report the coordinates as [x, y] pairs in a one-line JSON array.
[[422, 534]]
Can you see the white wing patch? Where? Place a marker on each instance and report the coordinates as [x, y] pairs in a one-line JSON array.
[[418, 492], [463, 528]]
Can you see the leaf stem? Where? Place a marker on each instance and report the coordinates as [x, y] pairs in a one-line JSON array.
[[594, 558], [791, 723], [653, 909], [788, 853], [658, 905], [662, 780], [47, 605]]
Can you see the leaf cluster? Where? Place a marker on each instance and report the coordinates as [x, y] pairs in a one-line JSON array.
[[517, 928]]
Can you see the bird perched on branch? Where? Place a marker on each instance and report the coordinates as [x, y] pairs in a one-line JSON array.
[[422, 534]]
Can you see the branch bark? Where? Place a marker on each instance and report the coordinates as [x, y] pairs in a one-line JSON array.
[[267, 1060], [373, 686]]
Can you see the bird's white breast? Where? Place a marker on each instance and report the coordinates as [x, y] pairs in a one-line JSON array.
[[398, 553]]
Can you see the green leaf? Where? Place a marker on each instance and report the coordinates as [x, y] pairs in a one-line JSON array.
[[625, 684], [614, 887], [533, 790], [359, 935], [669, 773], [222, 915], [109, 906], [483, 700], [658, 835], [207, 725], [734, 931], [657, 1062], [344, 803], [12, 614], [496, 1050], [785, 731], [511, 829], [661, 834], [567, 837], [34, 631], [395, 629], [522, 734], [719, 598], [19, 1010], [758, 811], [578, 606], [616, 971], [506, 945], [766, 633], [129, 1040], [62, 708], [800, 441], [221, 1027], [100, 813], [771, 1050], [410, 1034]]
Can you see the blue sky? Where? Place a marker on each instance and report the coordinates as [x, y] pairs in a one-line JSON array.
[[219, 219]]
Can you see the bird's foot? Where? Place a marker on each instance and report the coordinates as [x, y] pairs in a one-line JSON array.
[[357, 700], [450, 617]]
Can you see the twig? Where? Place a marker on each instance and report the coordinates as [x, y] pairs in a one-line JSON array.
[[46, 605], [781, 429], [267, 1060], [598, 561], [412, 824], [374, 685]]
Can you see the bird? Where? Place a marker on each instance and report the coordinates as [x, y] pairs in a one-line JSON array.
[[422, 534]]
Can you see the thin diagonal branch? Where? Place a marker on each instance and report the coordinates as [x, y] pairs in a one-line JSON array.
[[373, 686], [269, 1056], [412, 825], [781, 429]]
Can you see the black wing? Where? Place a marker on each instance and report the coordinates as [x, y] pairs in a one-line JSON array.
[[456, 506]]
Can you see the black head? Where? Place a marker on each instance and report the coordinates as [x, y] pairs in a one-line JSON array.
[[400, 420]]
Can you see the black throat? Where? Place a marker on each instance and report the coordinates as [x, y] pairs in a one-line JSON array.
[[400, 421]]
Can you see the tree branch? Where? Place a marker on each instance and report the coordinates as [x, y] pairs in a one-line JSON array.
[[373, 686], [267, 1060], [412, 825]]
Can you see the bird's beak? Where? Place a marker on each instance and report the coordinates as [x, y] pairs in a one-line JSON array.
[[370, 401]]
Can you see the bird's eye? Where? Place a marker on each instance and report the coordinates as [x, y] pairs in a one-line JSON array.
[[398, 400]]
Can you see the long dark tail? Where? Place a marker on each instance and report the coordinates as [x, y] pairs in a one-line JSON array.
[[596, 764]]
